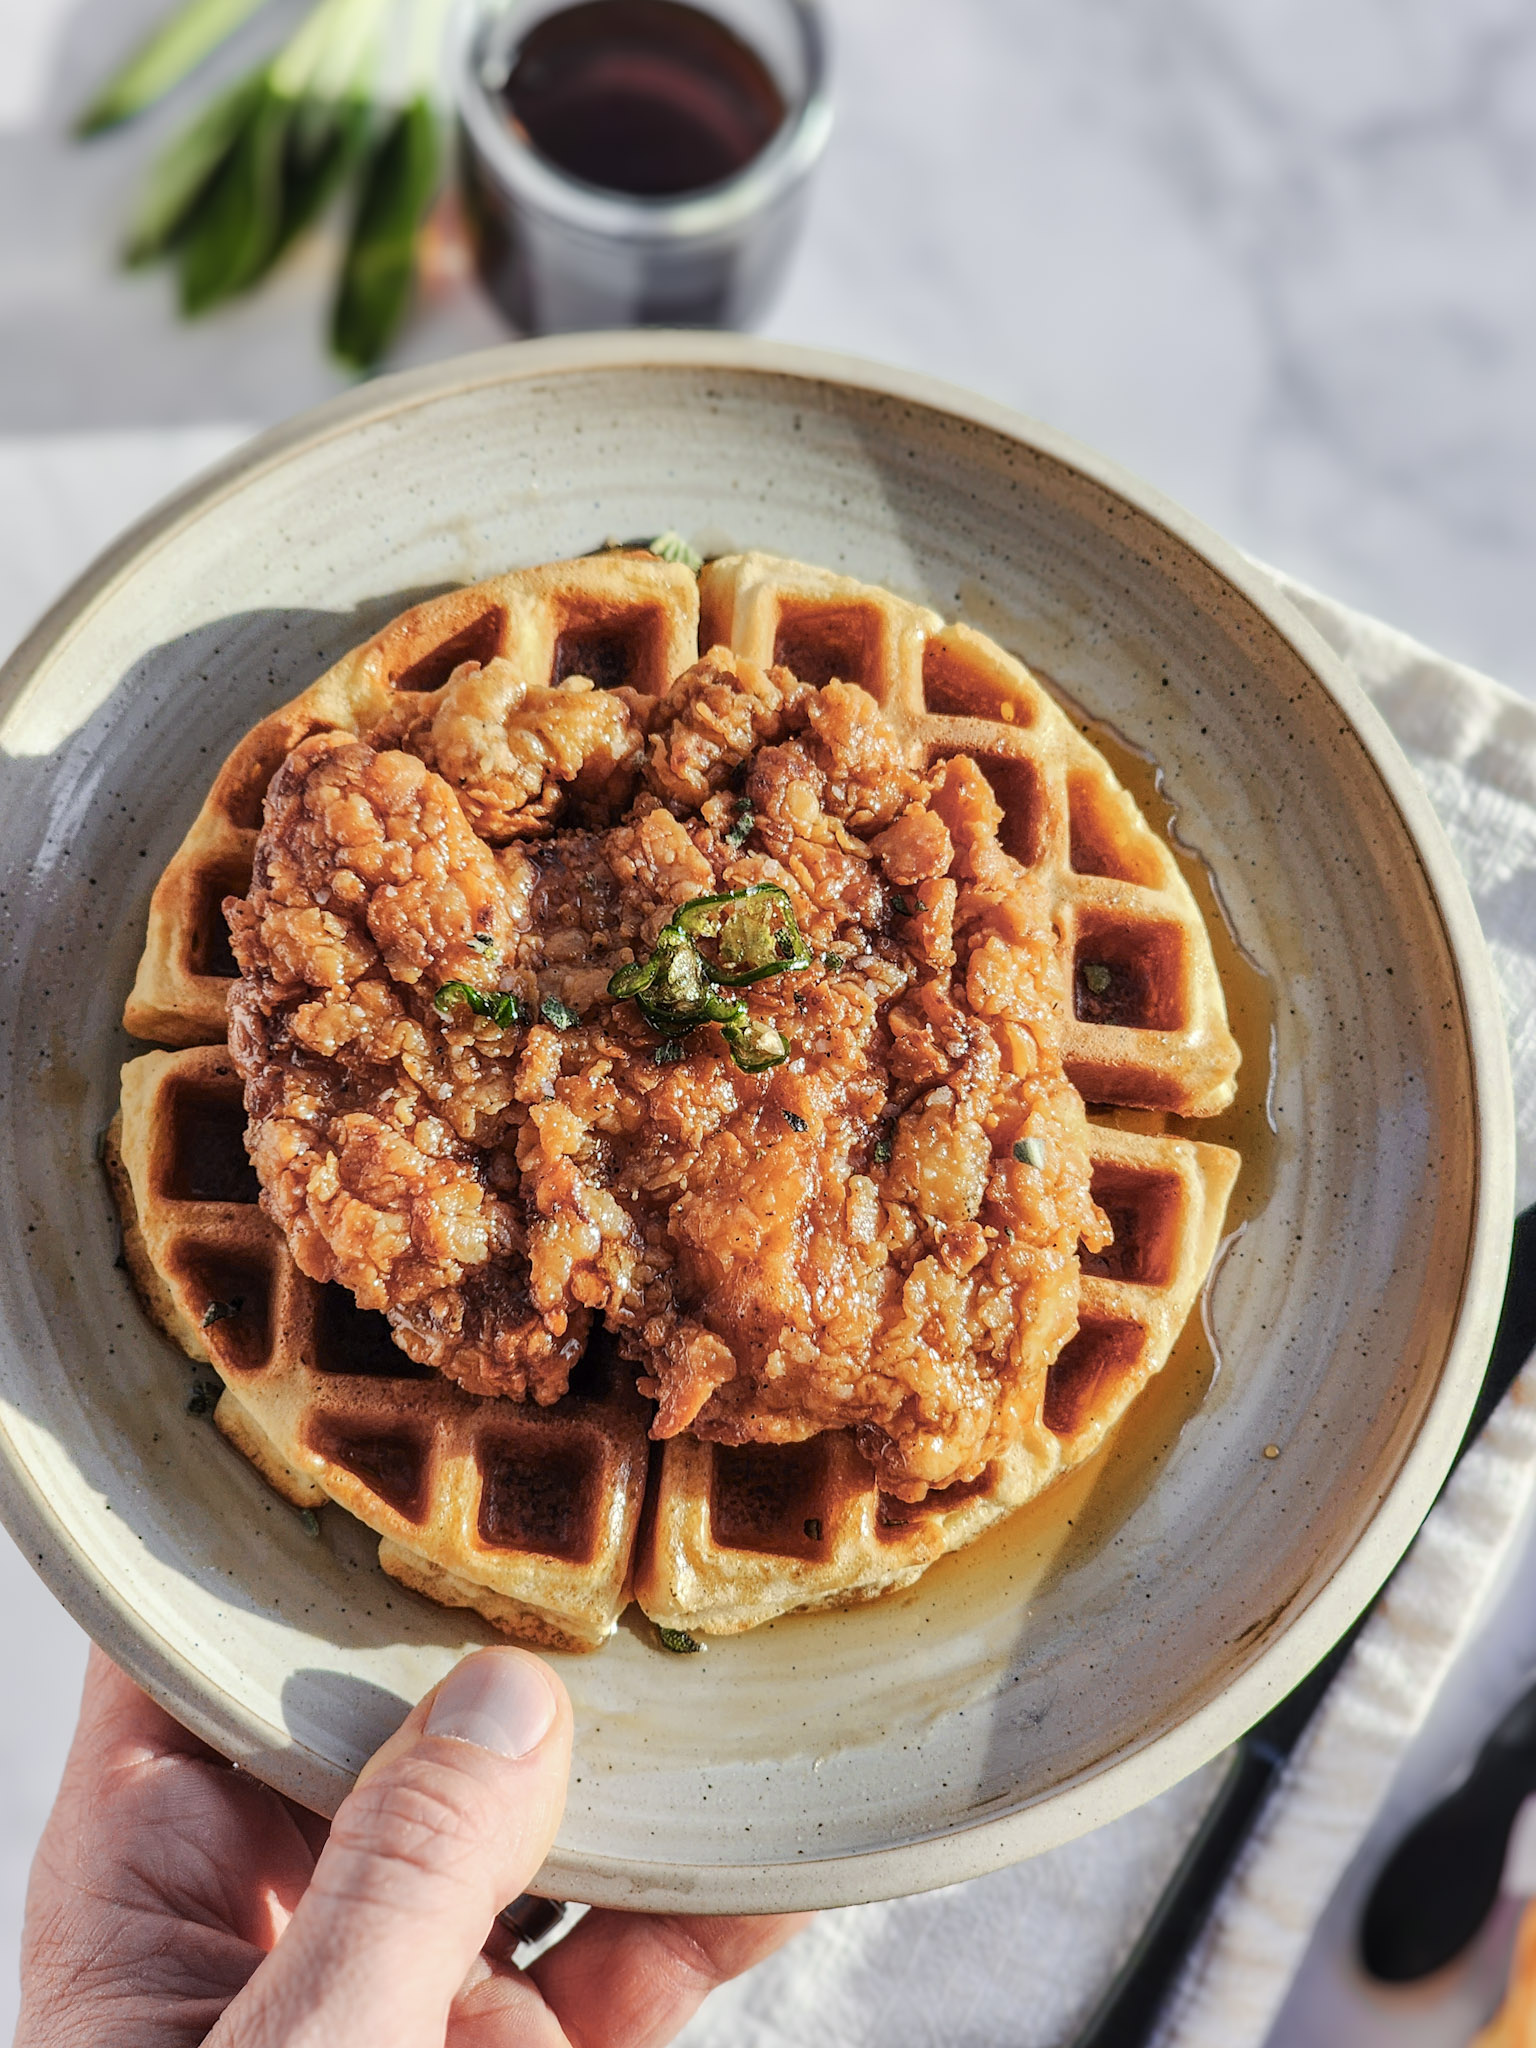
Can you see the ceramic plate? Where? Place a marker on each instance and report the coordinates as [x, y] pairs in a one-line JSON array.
[[1107, 1640]]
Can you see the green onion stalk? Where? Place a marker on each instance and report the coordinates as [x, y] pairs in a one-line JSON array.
[[348, 101], [161, 62], [751, 934]]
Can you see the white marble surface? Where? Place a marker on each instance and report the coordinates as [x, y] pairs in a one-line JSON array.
[[1272, 253], [1275, 254]]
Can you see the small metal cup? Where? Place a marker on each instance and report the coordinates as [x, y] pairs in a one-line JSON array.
[[559, 255]]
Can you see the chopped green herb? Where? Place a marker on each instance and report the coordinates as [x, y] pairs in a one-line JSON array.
[[755, 1046], [669, 1052], [453, 992], [678, 988], [221, 1311], [503, 1011], [756, 931], [739, 831], [559, 1014], [309, 1522], [796, 1123], [1097, 978], [672, 984], [813, 1528], [884, 1147], [673, 548], [901, 906], [678, 1641], [834, 962], [204, 1397], [1029, 1152], [483, 943]]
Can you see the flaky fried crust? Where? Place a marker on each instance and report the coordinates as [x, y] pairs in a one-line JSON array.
[[734, 1534]]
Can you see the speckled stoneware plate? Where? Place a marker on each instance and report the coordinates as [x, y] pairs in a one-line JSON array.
[[1110, 1638]]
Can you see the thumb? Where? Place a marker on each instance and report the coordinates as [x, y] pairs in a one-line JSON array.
[[444, 1827]]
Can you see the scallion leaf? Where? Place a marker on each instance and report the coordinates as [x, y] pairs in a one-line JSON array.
[[678, 1641], [1029, 1152], [163, 60], [673, 548], [398, 185], [229, 237], [324, 139], [559, 1015], [179, 177], [258, 166], [755, 1045], [503, 1011], [739, 831], [677, 989]]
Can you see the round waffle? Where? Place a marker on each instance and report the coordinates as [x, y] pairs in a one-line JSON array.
[[542, 1518]]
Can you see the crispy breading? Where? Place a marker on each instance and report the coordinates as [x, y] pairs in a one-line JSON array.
[[857, 1237]]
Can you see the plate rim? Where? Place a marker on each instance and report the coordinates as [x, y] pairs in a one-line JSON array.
[[1297, 1642]]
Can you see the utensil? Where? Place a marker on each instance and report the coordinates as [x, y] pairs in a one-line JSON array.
[[1094, 1652], [1439, 1884], [1128, 2014], [560, 251]]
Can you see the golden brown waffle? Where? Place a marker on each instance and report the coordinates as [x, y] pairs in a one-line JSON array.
[[618, 618], [1146, 1019], [532, 1516], [527, 1514], [734, 1536]]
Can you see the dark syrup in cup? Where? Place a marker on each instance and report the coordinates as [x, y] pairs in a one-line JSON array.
[[637, 163], [650, 97]]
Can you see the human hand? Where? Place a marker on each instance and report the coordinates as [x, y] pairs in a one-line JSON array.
[[177, 1900]]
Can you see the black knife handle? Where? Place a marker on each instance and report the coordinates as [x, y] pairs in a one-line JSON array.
[[1438, 1886]]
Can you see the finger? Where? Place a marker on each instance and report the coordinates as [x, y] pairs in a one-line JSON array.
[[314, 1827], [630, 1980], [444, 1827], [162, 1877], [161, 1810]]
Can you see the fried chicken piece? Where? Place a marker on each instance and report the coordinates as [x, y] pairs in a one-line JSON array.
[[515, 752], [857, 1238], [711, 720]]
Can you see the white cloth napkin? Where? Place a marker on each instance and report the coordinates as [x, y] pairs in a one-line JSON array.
[[1474, 745], [1017, 1960]]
